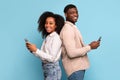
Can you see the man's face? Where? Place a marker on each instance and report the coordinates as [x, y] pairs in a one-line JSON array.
[[72, 15]]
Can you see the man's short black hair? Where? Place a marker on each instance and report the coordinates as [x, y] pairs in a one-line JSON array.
[[68, 7]]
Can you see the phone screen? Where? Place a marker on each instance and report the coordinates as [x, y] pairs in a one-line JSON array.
[[99, 38]]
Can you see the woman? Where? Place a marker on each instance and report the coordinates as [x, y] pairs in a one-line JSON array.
[[50, 25]]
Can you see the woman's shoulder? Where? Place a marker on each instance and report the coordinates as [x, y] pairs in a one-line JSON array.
[[54, 35]]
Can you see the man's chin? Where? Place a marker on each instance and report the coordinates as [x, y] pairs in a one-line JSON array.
[[75, 20]]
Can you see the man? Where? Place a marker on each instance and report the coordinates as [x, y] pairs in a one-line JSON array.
[[74, 52]]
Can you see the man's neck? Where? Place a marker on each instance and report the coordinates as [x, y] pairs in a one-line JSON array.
[[71, 21]]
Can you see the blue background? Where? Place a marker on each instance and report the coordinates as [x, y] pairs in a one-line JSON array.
[[18, 20]]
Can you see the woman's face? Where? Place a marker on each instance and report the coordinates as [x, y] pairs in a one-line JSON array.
[[50, 24]]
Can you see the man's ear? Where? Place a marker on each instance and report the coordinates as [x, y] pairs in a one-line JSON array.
[[65, 14]]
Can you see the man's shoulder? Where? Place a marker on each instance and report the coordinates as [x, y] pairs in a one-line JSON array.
[[67, 26]]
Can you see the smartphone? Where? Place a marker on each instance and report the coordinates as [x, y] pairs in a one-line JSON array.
[[99, 39], [26, 40]]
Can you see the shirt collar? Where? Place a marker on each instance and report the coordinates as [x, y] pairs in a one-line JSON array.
[[68, 22], [52, 34]]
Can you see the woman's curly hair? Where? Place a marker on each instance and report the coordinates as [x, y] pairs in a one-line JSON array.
[[59, 21]]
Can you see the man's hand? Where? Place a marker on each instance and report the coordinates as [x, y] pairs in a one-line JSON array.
[[94, 44]]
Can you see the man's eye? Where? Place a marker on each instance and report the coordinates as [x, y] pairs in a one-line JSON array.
[[51, 23]]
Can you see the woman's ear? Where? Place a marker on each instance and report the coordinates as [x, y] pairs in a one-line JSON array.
[[55, 26]]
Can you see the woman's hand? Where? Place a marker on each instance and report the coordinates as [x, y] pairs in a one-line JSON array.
[[31, 47]]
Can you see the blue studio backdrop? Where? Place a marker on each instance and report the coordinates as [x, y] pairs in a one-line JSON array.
[[18, 20]]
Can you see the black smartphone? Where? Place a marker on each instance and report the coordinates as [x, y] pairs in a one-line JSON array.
[[26, 40], [99, 39]]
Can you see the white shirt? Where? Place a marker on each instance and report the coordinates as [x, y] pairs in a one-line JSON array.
[[50, 49]]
